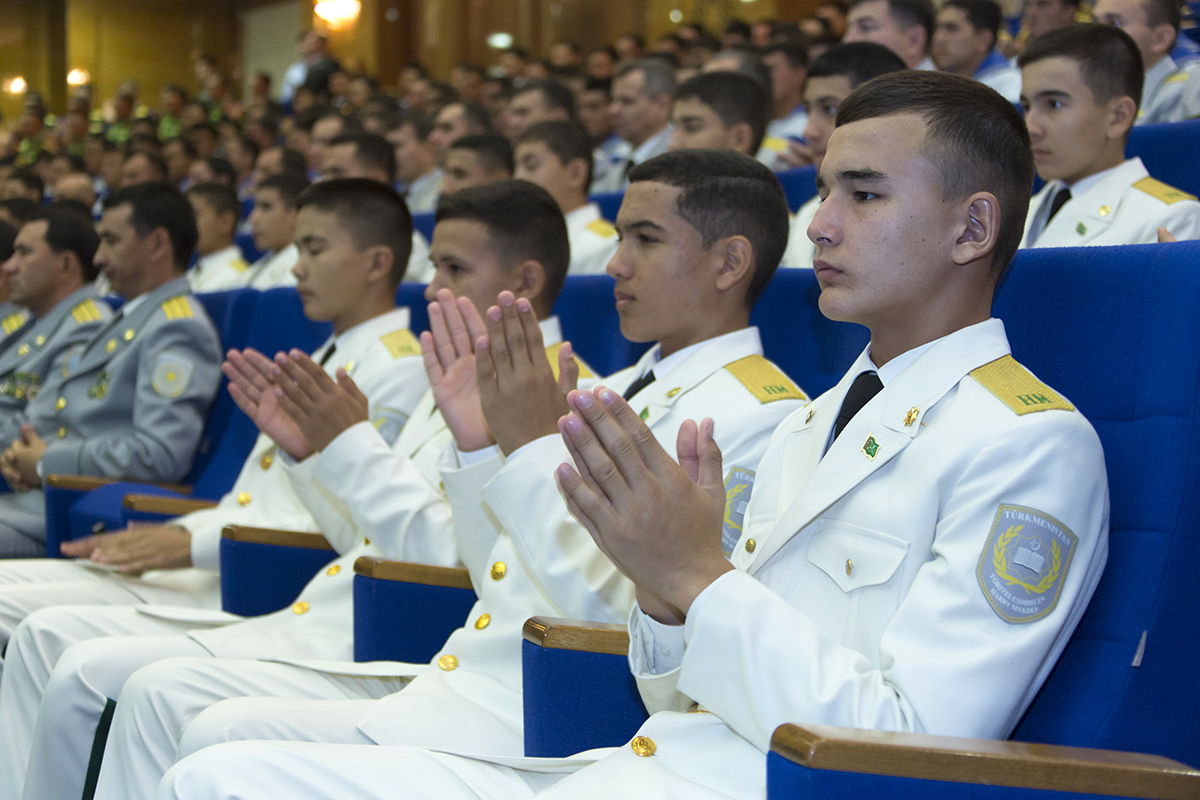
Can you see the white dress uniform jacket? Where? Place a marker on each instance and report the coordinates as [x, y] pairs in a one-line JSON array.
[[593, 241], [800, 249], [923, 574], [1189, 101], [1126, 206], [1162, 92], [216, 272], [423, 193], [44, 348], [996, 73], [274, 269]]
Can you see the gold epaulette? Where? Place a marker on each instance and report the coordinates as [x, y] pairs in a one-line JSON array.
[[775, 144], [177, 307], [764, 380], [1016, 387], [86, 311], [239, 265], [14, 321], [602, 227], [1161, 191], [552, 353], [401, 343], [1177, 77]]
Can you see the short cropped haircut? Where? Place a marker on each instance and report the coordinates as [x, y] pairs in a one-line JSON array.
[[373, 214], [1163, 12], [976, 139], [524, 224], [29, 179], [793, 50], [67, 229], [371, 151], [159, 205], [567, 140], [21, 209], [1110, 64], [734, 97], [492, 150], [857, 61], [477, 117], [555, 95], [288, 185], [222, 170], [724, 193], [747, 62], [658, 76], [599, 85], [220, 197], [909, 13], [157, 165], [294, 162], [984, 15], [421, 123], [189, 148]]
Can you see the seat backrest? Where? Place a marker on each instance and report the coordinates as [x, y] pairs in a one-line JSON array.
[[269, 322], [423, 224], [413, 296], [610, 204], [799, 185], [1115, 330], [590, 323], [814, 351], [1169, 152]]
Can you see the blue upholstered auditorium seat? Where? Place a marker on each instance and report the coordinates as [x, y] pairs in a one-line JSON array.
[[800, 185], [610, 204], [423, 224], [590, 323], [1169, 152]]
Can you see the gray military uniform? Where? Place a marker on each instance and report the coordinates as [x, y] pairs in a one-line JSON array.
[[43, 349], [131, 405]]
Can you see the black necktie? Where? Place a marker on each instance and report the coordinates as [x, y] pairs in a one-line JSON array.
[[639, 384], [1060, 200], [865, 386], [328, 354]]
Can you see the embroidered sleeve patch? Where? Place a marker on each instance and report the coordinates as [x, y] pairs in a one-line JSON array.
[[738, 486], [1024, 563], [1016, 387], [171, 374], [401, 343], [764, 380], [389, 422]]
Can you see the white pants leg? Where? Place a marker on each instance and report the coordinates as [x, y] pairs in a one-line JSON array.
[[271, 770], [37, 647], [23, 524], [275, 719], [161, 700]]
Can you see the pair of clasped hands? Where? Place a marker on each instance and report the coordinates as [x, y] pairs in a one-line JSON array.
[[18, 464], [658, 521]]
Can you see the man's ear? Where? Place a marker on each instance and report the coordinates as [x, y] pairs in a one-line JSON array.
[[531, 280], [1122, 113], [737, 262], [577, 170], [379, 268], [1164, 38], [742, 137], [979, 227]]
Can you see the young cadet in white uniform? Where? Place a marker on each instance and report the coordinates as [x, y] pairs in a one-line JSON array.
[[177, 563], [354, 237], [965, 44], [787, 63], [219, 264], [1080, 86], [719, 110], [273, 221], [51, 273], [132, 403], [407, 519], [557, 156], [1154, 26], [681, 277], [885, 576], [831, 77]]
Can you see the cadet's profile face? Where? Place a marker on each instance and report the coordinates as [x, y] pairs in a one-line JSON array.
[[593, 113], [330, 271], [324, 131], [523, 111], [1131, 16], [463, 170], [957, 44], [822, 96], [697, 127], [449, 124], [339, 162], [1042, 16], [1069, 130], [122, 254], [465, 260], [137, 169], [216, 231], [872, 21], [884, 235], [412, 154], [660, 267], [538, 164], [32, 267], [273, 223]]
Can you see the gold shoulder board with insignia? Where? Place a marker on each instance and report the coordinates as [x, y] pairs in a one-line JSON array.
[[1161, 191], [1016, 387], [13, 321], [239, 265], [401, 343], [1177, 77], [86, 312], [552, 353], [602, 227], [177, 308], [775, 144], [764, 380]]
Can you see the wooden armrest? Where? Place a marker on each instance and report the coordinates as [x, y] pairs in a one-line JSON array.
[[986, 761], [408, 572], [86, 483], [245, 533], [157, 504], [571, 634]]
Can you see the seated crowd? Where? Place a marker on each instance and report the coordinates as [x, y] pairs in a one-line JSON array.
[[694, 496]]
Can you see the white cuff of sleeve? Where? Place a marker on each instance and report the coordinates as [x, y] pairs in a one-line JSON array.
[[662, 649], [470, 458]]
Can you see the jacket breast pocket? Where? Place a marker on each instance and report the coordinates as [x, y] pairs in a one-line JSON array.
[[863, 568]]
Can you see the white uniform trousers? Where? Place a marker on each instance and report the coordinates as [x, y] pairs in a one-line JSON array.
[[160, 701], [44, 662], [27, 585]]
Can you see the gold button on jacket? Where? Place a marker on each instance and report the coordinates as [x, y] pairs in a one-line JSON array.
[[243, 499], [499, 570], [300, 608], [643, 746], [448, 663], [483, 621], [334, 570], [750, 545]]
